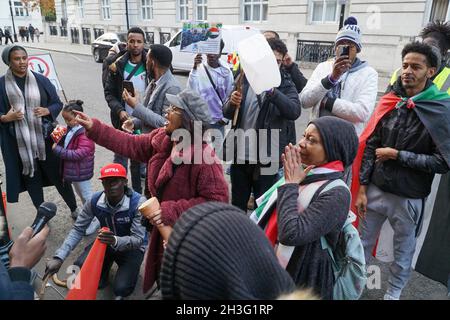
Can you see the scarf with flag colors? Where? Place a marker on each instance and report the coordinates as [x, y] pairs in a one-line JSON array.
[[265, 215]]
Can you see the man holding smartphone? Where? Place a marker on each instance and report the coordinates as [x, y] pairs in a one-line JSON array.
[[127, 71], [345, 87]]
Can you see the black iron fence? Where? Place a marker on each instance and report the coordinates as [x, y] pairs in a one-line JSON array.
[[53, 30], [75, 35], [164, 37], [150, 37], [314, 51], [98, 32], [86, 32], [63, 31]]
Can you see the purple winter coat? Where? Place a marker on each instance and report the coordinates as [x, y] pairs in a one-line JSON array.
[[78, 158]]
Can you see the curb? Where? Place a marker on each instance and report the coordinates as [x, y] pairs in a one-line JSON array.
[[57, 50]]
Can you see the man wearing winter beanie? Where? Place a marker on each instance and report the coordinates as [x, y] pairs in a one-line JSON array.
[[216, 252], [345, 86]]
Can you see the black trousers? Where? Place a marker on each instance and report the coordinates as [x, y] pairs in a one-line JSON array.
[[129, 263], [244, 178], [8, 38], [49, 171]]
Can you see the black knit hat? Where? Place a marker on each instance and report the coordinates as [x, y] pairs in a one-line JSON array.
[[339, 139], [216, 252], [6, 53]]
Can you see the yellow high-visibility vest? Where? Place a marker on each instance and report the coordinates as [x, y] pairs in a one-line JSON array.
[[442, 81]]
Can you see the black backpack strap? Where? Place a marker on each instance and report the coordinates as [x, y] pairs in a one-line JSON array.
[[213, 84], [135, 69]]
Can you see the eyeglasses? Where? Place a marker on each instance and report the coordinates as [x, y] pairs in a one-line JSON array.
[[173, 109]]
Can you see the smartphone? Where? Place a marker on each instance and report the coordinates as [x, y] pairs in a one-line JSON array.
[[128, 85], [344, 50]]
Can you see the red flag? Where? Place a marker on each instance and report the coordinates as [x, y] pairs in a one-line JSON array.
[[386, 104]]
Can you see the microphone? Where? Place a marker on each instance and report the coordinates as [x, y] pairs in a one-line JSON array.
[[45, 212]]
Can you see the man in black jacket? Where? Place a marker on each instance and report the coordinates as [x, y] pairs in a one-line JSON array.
[[130, 66], [265, 121], [410, 143]]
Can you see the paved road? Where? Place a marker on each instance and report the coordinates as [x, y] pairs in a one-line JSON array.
[[81, 79]]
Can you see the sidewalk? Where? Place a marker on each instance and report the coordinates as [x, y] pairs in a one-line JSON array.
[[82, 49]]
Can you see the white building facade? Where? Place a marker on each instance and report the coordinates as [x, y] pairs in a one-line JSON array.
[[307, 26], [22, 15]]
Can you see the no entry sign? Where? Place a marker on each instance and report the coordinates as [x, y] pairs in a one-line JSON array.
[[43, 64]]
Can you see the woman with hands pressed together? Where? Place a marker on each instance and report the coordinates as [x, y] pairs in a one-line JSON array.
[[306, 209]]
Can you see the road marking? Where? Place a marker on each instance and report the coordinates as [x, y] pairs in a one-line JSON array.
[[76, 58]]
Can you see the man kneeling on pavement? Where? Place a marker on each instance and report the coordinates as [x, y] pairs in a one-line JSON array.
[[116, 208]]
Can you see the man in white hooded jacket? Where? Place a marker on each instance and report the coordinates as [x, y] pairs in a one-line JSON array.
[[345, 87]]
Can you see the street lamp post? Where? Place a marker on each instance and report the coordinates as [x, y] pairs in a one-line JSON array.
[[341, 17], [126, 13], [12, 18]]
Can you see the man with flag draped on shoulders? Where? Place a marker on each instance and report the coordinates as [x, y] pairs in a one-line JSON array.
[[405, 143]]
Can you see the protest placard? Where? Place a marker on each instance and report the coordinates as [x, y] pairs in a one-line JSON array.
[[201, 37]]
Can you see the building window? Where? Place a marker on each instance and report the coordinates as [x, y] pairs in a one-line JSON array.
[[63, 31], [98, 32], [75, 35], [164, 37], [150, 37], [147, 9], [201, 10], [80, 8], [324, 11], [86, 32], [314, 51], [440, 10], [53, 30], [255, 10], [106, 9], [20, 10], [183, 13]]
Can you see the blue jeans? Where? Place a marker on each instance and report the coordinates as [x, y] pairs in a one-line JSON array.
[[135, 170], [83, 189]]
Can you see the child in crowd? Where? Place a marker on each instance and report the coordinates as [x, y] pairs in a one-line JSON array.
[[76, 151]]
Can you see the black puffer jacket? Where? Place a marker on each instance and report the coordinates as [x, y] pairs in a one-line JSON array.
[[114, 87], [412, 173]]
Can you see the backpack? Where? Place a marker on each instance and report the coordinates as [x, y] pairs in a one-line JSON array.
[[348, 260]]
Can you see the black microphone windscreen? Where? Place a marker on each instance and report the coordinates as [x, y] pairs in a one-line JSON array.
[[47, 209]]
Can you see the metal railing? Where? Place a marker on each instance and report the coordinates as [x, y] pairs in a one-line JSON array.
[[314, 51], [86, 33], [63, 31], [75, 35]]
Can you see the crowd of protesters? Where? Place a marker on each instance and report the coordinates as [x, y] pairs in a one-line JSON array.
[[376, 158]]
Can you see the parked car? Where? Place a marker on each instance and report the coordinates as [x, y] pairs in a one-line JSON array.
[[231, 35], [102, 44]]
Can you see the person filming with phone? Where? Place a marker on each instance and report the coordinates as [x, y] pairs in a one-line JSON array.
[[345, 87], [127, 72]]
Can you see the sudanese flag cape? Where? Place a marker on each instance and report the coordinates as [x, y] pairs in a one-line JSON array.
[[433, 109]]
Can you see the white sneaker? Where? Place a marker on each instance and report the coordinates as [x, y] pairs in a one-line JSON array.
[[389, 297], [93, 227]]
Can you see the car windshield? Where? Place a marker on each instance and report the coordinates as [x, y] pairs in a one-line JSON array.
[[122, 37]]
